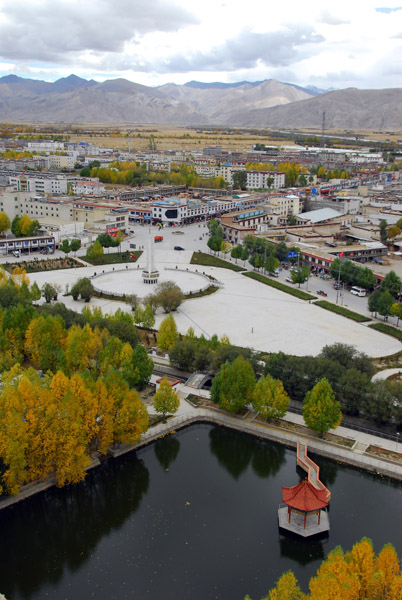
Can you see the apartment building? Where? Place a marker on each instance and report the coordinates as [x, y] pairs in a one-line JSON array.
[[258, 180]]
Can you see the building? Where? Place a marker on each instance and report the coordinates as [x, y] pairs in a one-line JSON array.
[[259, 180]]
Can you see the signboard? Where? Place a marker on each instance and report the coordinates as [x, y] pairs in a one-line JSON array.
[[112, 231], [292, 254]]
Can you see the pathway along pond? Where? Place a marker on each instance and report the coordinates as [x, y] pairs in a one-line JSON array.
[[193, 515]]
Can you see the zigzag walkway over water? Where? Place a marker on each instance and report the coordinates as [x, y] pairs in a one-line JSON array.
[[312, 469]]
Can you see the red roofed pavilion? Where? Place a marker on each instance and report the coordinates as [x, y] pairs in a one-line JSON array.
[[305, 499]]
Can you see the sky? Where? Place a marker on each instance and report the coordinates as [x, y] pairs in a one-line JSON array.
[[337, 44]]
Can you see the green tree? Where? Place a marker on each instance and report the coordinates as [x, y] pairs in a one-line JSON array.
[[240, 180], [35, 292], [15, 226], [238, 386], [269, 398], [385, 303], [166, 399], [84, 288], [4, 222], [148, 319], [75, 245], [169, 296], [65, 246], [281, 251], [373, 301], [392, 283], [167, 333], [271, 264], [384, 231], [301, 275], [49, 292], [321, 412], [236, 252], [396, 311]]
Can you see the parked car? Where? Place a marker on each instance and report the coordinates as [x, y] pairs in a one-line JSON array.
[[289, 279], [337, 286], [274, 274], [16, 253], [178, 248], [322, 293]]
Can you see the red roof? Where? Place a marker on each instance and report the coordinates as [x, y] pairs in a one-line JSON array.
[[304, 497]]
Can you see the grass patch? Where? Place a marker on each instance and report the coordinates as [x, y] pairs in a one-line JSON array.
[[114, 258], [208, 260], [279, 286], [341, 310], [387, 329]]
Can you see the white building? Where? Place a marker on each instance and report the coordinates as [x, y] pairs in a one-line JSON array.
[[257, 180]]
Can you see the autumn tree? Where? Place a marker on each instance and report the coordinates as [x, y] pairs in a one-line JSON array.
[[45, 342], [4, 222], [269, 398], [167, 334], [321, 411], [94, 252], [166, 399]]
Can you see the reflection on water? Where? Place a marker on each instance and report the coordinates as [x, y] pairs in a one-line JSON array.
[[191, 516], [166, 451], [235, 451], [61, 528], [303, 551]]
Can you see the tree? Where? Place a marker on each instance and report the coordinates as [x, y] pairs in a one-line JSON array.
[[392, 283], [45, 341], [269, 398], [167, 334], [286, 588], [215, 243], [236, 252], [393, 232], [385, 303], [183, 354], [373, 301], [383, 231], [49, 292], [226, 247], [166, 399], [169, 296], [236, 385], [144, 364], [4, 222], [321, 412], [240, 180], [15, 226], [396, 311], [281, 251], [75, 245], [95, 252], [35, 292], [271, 264], [301, 275], [148, 319], [65, 246], [84, 288]]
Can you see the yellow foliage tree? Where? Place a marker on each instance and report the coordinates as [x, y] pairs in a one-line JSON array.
[[19, 276]]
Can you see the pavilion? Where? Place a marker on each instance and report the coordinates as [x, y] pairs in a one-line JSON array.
[[303, 502]]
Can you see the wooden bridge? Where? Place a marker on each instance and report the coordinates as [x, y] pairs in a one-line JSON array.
[[313, 470]]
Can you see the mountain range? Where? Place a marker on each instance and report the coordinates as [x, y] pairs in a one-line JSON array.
[[267, 103]]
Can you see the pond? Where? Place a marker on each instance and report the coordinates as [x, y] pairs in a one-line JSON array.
[[193, 515]]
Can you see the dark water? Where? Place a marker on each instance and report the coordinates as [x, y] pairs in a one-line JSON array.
[[191, 516]]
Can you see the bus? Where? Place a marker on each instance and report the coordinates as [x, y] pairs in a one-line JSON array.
[[358, 291]]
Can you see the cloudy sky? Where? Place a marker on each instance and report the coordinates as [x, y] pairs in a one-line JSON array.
[[347, 43]]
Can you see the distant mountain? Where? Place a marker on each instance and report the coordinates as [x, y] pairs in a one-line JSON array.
[[344, 109], [268, 103]]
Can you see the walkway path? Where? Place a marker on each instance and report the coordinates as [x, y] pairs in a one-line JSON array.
[[385, 374], [312, 470]]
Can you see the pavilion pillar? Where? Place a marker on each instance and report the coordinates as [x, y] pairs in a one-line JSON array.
[[319, 516], [289, 514]]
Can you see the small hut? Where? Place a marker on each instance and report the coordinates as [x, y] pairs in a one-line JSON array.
[[303, 502]]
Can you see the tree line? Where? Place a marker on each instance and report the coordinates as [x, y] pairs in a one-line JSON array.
[[356, 575], [85, 400]]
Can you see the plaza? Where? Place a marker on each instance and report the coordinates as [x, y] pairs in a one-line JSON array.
[[249, 313]]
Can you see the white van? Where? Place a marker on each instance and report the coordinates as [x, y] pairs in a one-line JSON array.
[[358, 291]]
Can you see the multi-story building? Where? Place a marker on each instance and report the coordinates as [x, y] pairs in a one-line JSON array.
[[259, 180]]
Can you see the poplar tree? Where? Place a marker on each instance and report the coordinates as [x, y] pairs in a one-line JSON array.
[[321, 412]]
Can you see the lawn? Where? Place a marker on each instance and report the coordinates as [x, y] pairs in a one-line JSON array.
[[209, 260], [279, 286], [341, 310]]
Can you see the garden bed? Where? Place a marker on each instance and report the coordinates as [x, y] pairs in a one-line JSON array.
[[279, 286], [208, 260], [384, 453], [341, 310], [44, 264], [388, 330], [114, 258]]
